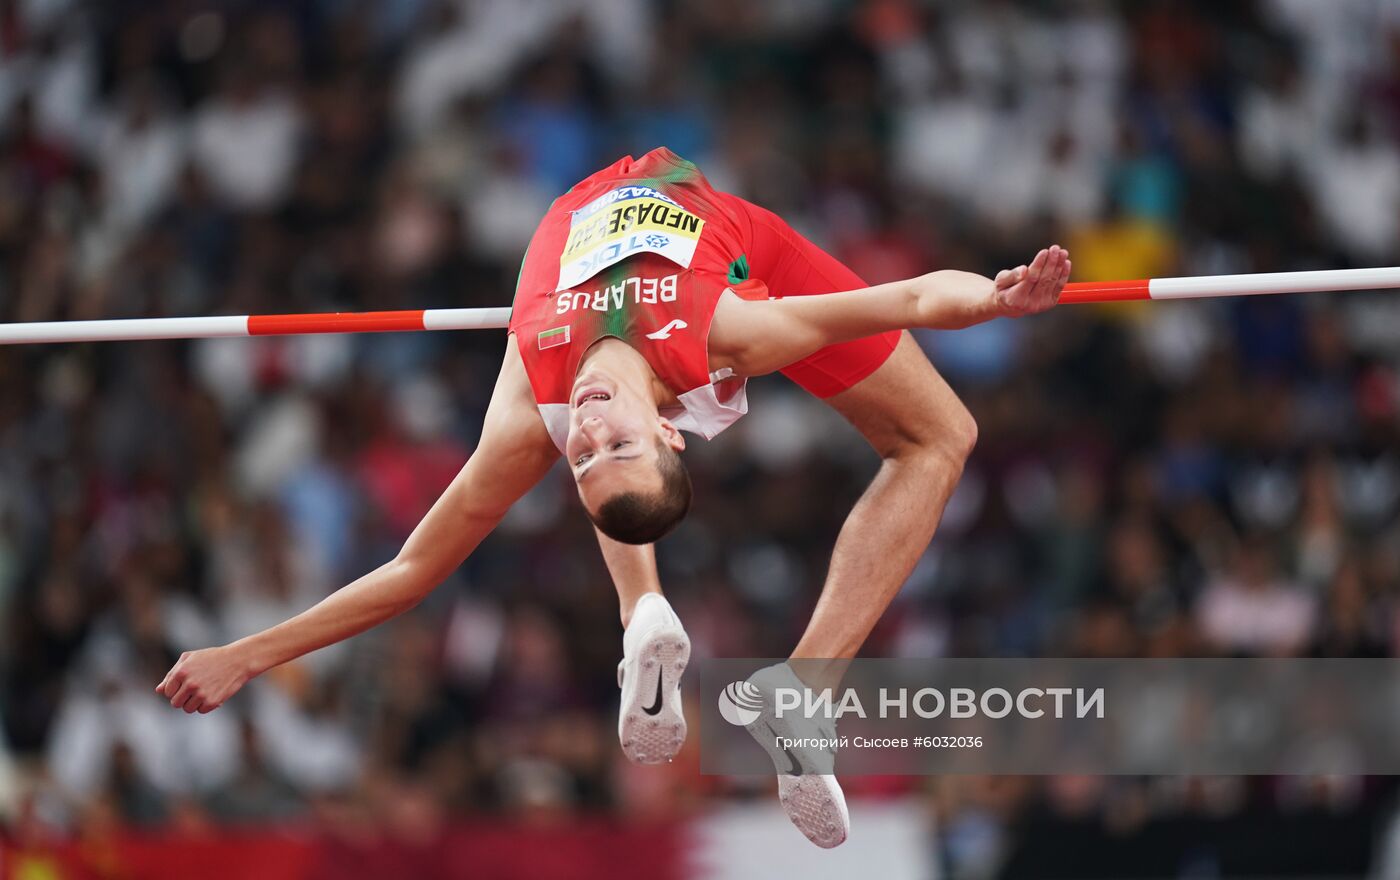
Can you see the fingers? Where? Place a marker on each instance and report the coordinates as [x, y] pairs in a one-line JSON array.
[[165, 688], [1062, 266], [1031, 276], [1039, 263], [183, 694], [1041, 278], [1054, 274]]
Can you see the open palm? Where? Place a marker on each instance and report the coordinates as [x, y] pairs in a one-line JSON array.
[[1027, 290]]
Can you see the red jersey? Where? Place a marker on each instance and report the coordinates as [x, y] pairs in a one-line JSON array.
[[640, 251]]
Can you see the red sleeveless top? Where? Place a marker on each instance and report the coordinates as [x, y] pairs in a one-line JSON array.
[[640, 251]]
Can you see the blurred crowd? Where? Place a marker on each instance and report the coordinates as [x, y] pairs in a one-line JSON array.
[[1195, 478]]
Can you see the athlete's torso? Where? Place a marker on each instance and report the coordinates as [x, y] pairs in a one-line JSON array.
[[640, 251]]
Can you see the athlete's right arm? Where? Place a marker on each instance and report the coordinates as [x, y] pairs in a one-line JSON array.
[[758, 337], [514, 453]]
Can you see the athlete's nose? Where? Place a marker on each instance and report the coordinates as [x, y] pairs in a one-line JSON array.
[[592, 428]]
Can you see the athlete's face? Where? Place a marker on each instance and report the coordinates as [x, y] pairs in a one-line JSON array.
[[612, 445]]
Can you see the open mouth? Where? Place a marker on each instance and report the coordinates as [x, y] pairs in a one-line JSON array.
[[590, 394]]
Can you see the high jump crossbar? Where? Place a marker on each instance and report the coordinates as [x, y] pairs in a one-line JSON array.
[[498, 318]]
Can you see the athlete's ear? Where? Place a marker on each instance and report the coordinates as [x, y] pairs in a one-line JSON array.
[[671, 435]]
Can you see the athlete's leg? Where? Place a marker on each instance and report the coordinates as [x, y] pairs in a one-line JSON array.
[[633, 570], [887, 388], [655, 650], [923, 435]]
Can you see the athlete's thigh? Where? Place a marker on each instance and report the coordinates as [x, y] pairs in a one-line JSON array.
[[904, 403]]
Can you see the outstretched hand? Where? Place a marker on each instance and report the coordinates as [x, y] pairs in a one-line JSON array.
[[1027, 290], [202, 680]]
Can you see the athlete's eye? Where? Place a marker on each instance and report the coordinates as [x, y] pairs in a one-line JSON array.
[[619, 444], [582, 459]]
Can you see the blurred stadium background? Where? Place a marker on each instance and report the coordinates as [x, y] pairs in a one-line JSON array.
[[1196, 478]]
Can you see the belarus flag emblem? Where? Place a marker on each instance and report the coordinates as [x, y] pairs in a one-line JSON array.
[[554, 338]]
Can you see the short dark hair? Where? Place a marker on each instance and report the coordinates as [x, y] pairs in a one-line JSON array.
[[634, 518]]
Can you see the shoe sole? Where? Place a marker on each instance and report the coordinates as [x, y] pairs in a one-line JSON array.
[[817, 807], [648, 738], [813, 802]]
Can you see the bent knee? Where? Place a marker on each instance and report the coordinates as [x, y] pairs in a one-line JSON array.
[[965, 434], [946, 440]]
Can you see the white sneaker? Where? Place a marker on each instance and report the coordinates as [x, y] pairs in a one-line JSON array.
[[655, 651], [813, 800]]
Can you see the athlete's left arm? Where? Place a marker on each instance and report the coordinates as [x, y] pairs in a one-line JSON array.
[[760, 337]]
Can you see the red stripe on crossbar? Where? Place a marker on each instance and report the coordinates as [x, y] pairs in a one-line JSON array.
[[335, 322], [1104, 291]]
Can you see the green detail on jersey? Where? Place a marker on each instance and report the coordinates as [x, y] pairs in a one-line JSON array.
[[683, 171], [616, 320], [739, 269]]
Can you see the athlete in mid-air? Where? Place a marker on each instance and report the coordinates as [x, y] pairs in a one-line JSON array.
[[645, 301]]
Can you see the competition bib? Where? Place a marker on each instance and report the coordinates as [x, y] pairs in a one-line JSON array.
[[627, 221]]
